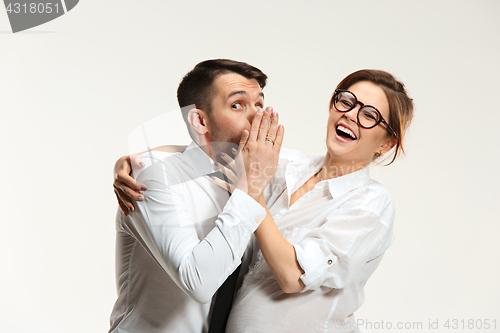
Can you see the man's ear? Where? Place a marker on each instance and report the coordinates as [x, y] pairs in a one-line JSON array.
[[197, 120], [388, 144]]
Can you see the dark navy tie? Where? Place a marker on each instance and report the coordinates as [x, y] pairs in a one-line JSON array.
[[223, 303]]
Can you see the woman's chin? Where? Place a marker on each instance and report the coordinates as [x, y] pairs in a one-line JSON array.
[[337, 147]]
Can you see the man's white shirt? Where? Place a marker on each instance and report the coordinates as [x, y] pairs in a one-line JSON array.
[[180, 245]]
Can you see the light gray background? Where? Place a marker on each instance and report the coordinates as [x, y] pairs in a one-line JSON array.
[[74, 89]]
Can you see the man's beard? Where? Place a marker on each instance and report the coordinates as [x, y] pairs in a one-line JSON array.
[[221, 141]]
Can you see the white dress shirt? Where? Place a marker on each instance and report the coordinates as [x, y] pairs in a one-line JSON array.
[[180, 245], [340, 230]]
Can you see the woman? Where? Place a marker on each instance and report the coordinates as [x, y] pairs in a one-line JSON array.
[[333, 223], [328, 224]]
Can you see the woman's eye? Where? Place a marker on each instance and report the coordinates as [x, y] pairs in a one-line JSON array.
[[258, 106], [369, 116], [346, 104]]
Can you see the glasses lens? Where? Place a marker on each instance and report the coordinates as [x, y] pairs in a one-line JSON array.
[[345, 101], [368, 117]]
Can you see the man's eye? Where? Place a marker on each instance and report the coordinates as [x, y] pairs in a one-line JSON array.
[[236, 106]]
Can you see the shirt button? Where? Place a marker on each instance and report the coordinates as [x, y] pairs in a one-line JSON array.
[[330, 261], [257, 220]]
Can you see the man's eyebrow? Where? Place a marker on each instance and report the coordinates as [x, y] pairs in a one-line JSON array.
[[242, 92]]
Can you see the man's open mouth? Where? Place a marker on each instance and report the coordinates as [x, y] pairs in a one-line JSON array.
[[345, 133]]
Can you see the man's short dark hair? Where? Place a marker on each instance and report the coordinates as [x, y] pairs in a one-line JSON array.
[[197, 86]]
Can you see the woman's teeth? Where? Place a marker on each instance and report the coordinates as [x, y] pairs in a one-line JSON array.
[[347, 131]]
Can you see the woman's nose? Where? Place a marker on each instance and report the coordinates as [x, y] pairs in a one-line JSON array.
[[353, 114]]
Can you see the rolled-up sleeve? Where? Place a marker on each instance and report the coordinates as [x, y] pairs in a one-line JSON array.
[[333, 254]]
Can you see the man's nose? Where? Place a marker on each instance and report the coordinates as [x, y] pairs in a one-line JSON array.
[[252, 112]]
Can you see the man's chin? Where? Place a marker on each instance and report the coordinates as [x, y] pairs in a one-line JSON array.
[[224, 144], [222, 147]]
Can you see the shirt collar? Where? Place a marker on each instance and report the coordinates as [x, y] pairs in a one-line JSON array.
[[198, 160], [343, 184], [298, 172]]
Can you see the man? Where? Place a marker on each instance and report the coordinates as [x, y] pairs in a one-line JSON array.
[[187, 235]]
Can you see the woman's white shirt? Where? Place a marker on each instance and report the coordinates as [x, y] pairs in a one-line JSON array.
[[340, 231]]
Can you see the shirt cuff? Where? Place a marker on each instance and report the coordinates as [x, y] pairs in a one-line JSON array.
[[246, 210], [314, 264]]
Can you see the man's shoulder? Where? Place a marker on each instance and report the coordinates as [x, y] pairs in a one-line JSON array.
[[158, 164], [174, 168], [151, 157]]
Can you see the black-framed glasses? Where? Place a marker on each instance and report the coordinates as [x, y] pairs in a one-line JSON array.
[[368, 116]]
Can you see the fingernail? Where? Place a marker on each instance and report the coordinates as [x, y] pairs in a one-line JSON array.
[[268, 110], [275, 115], [223, 154], [144, 188], [260, 112], [216, 163], [140, 198], [142, 164], [234, 150]]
